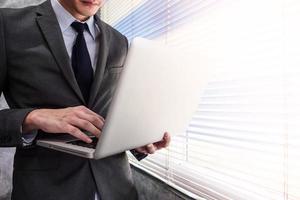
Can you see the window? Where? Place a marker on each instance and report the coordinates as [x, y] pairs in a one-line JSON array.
[[243, 141]]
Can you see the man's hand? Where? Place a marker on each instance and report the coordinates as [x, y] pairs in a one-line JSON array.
[[72, 120], [151, 148]]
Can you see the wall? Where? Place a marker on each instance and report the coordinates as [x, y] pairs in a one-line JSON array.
[[6, 159], [18, 3]]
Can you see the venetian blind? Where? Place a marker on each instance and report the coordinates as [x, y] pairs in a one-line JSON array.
[[243, 141]]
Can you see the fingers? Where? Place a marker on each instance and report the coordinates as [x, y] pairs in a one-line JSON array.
[[85, 125], [141, 150], [96, 121], [88, 111], [151, 148], [147, 149], [165, 142], [72, 130], [167, 139], [87, 120]]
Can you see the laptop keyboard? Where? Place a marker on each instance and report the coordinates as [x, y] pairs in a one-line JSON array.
[[91, 145]]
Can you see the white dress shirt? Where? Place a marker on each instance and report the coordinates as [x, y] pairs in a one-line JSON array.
[[92, 39]]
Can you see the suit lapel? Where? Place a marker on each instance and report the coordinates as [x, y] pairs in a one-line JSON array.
[[101, 63], [50, 28]]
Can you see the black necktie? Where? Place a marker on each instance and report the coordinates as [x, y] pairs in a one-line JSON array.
[[81, 61]]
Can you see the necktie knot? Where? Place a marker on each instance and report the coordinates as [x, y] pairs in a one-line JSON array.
[[79, 27]]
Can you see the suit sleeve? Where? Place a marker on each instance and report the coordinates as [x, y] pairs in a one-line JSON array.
[[11, 120]]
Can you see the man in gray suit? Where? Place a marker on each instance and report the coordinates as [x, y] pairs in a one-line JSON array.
[[59, 64]]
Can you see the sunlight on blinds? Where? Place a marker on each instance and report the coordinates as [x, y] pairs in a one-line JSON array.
[[243, 141], [120, 9]]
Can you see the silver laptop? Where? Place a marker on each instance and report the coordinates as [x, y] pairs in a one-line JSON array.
[[158, 91]]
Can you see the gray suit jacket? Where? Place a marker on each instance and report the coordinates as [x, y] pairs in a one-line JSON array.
[[35, 72]]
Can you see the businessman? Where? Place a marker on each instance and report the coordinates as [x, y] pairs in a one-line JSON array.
[[59, 65]]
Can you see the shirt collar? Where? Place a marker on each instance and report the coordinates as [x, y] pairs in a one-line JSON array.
[[65, 19]]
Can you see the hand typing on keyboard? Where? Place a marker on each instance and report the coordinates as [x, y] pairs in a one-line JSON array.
[[71, 120]]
